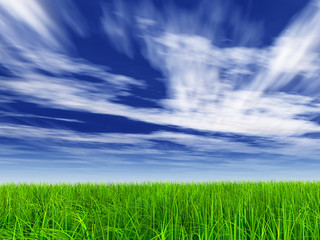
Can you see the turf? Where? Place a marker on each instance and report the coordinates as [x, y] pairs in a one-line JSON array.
[[207, 210]]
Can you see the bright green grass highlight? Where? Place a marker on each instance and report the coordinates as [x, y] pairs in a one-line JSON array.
[[207, 210]]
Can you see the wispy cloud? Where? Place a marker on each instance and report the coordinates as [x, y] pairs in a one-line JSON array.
[[202, 89], [26, 115], [136, 144], [295, 54], [200, 96], [35, 24]]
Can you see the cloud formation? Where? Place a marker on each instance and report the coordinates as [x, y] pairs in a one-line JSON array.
[[235, 89]]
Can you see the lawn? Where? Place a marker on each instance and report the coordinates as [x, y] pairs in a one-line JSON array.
[[153, 210]]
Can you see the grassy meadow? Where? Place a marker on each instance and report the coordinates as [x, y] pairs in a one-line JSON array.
[[150, 210]]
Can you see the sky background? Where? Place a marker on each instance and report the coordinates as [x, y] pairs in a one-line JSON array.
[[159, 90]]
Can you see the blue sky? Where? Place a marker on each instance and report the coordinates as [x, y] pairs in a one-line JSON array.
[[159, 90]]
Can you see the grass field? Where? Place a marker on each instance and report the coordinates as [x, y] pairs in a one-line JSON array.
[[217, 210]]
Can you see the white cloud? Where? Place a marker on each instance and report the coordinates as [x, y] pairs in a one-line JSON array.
[[116, 24], [22, 132], [199, 97], [294, 54], [26, 115], [265, 116], [35, 24], [137, 144], [32, 15]]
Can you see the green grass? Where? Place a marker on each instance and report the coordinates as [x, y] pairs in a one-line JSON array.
[[217, 210]]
